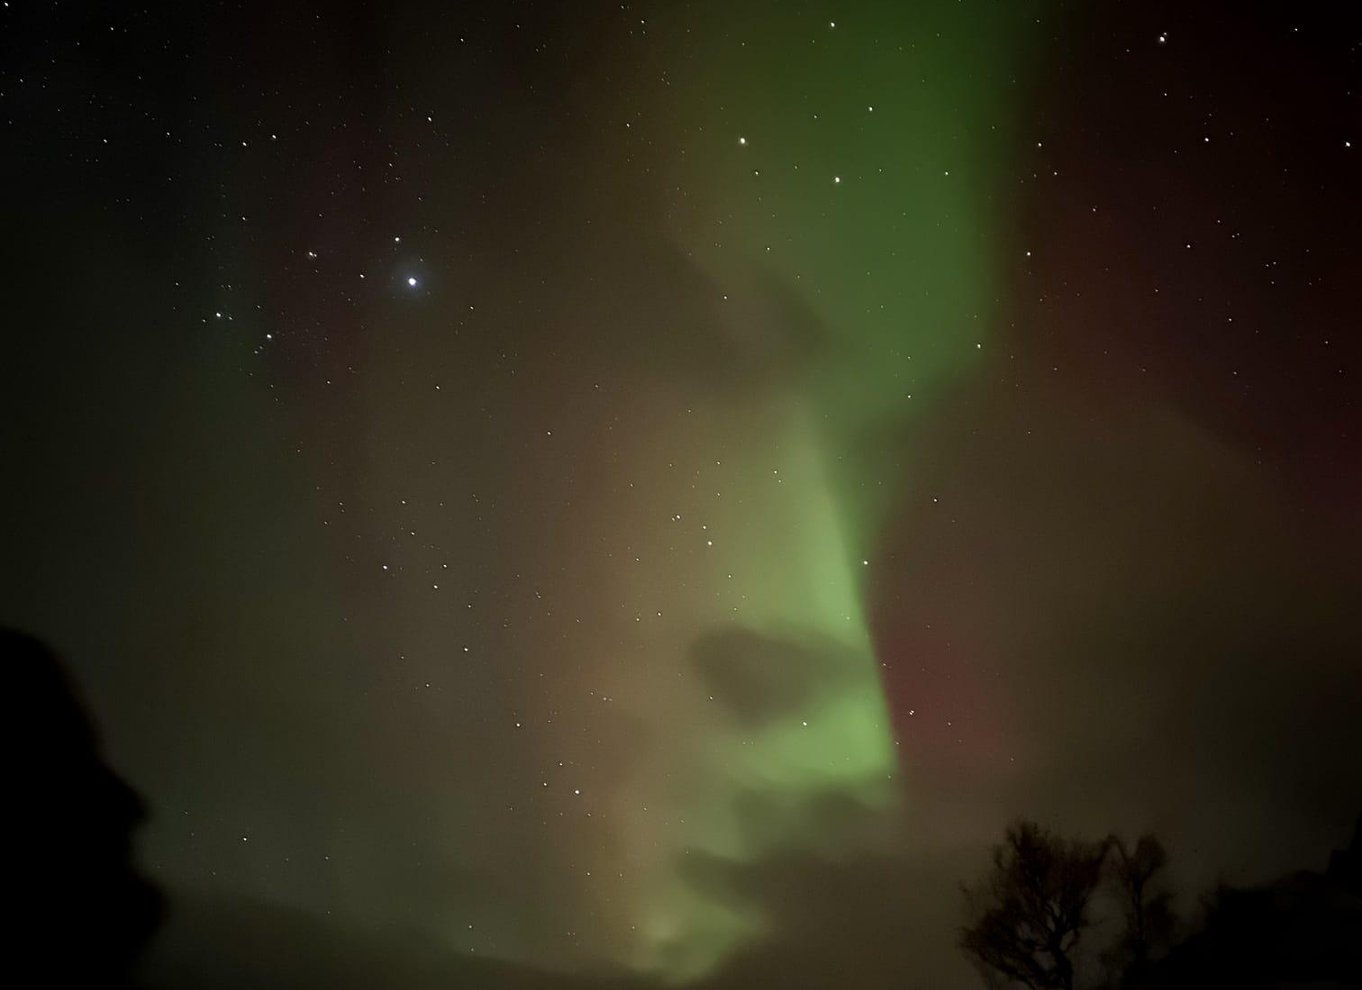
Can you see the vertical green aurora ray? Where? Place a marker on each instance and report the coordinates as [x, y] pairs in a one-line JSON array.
[[866, 192], [836, 178]]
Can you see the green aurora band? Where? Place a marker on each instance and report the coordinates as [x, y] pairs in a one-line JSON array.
[[838, 185]]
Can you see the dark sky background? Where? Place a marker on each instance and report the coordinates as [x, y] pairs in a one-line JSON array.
[[563, 495]]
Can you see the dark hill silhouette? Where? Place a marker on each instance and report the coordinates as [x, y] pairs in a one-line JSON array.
[[81, 912], [1305, 930]]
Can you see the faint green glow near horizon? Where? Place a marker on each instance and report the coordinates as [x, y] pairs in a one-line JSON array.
[[801, 600]]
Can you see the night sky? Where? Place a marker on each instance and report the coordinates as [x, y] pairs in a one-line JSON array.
[[598, 494]]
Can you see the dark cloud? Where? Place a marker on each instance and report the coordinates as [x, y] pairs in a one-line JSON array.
[[761, 677]]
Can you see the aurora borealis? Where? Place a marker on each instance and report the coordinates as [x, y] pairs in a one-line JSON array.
[[565, 495], [854, 270]]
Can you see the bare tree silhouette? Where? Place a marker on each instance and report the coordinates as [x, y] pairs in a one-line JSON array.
[[1028, 916], [1146, 903]]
